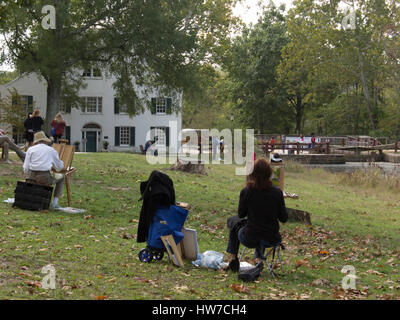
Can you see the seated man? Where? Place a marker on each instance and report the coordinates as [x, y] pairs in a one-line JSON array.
[[39, 161], [147, 145], [264, 206], [6, 143]]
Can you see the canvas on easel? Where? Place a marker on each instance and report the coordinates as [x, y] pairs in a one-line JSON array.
[[189, 245], [66, 154], [278, 175]]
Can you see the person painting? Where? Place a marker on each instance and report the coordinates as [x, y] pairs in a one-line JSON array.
[[6, 143], [58, 125], [39, 161], [264, 206]]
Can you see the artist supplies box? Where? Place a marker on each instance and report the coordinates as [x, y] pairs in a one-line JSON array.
[[32, 196]]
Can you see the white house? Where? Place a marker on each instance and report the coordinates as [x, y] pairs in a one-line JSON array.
[[103, 118]]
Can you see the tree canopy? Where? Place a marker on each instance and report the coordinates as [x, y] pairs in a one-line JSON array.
[[158, 43]]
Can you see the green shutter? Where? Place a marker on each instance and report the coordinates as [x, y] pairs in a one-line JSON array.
[[132, 136], [151, 133], [117, 137], [153, 105], [169, 105], [30, 103], [67, 134], [167, 136], [116, 106]]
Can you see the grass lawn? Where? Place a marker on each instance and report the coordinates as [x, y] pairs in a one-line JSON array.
[[96, 254]]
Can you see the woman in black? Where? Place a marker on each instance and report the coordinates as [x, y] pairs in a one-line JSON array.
[[28, 131], [264, 206], [37, 121]]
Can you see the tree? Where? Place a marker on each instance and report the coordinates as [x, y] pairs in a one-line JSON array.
[[327, 50], [252, 73], [13, 112], [158, 43]]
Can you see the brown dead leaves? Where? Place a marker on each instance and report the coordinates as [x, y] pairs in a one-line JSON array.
[[240, 288]]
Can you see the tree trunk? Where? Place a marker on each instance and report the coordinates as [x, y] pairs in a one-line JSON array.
[[53, 102], [299, 114], [365, 90]]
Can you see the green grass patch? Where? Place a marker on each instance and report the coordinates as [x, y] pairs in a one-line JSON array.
[[96, 254]]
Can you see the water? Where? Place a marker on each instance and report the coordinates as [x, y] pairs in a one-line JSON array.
[[349, 167]]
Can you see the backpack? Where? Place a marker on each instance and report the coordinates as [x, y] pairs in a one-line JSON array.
[[53, 131]]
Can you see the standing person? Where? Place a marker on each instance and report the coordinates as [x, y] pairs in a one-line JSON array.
[[28, 131], [58, 125], [6, 143], [215, 143], [272, 143], [37, 121], [313, 140], [39, 161], [301, 141], [264, 206]]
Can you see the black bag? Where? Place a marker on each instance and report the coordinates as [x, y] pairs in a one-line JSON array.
[[32, 196], [251, 274]]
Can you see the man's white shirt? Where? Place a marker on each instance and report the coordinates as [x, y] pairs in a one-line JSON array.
[[42, 157]]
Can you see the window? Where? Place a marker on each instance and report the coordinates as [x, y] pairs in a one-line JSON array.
[[25, 102], [123, 108], [92, 73], [161, 106], [159, 133], [92, 104], [125, 135], [64, 108]]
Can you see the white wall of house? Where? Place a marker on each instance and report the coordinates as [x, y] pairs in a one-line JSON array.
[[100, 124]]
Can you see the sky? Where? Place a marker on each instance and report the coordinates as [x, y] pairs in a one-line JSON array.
[[248, 11]]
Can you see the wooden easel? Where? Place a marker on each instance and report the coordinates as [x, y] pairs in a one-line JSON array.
[[176, 254], [66, 154]]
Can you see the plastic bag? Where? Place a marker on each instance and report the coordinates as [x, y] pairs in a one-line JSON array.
[[209, 259]]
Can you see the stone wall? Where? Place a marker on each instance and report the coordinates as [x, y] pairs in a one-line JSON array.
[[315, 158], [392, 157]]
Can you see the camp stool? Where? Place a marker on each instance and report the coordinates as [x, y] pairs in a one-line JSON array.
[[274, 251]]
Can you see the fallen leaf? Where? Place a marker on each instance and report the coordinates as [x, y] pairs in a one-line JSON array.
[[34, 284], [239, 288], [101, 297], [299, 263]]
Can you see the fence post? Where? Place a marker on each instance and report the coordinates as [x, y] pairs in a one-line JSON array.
[[327, 148], [396, 146]]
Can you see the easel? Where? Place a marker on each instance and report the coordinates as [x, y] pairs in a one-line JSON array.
[[66, 154], [176, 254], [281, 177]]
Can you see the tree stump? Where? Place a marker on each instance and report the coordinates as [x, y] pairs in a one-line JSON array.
[[189, 166], [298, 216]]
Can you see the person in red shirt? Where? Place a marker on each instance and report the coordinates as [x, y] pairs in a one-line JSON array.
[[272, 143], [58, 125]]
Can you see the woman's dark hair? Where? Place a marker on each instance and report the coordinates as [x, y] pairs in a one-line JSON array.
[[260, 178]]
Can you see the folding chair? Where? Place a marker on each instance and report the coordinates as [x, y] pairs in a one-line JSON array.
[[274, 251]]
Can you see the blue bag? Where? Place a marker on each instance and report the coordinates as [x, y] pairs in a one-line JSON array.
[[167, 221]]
